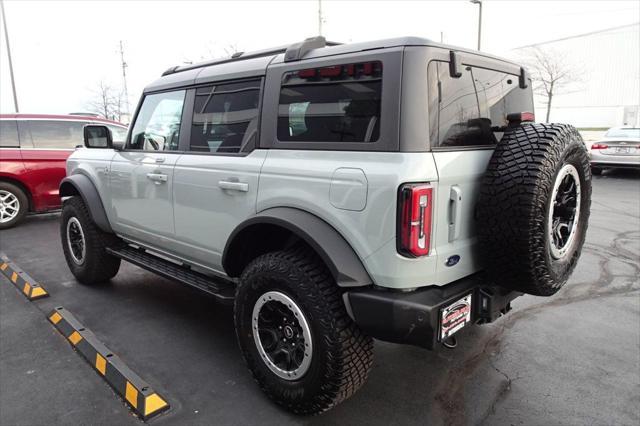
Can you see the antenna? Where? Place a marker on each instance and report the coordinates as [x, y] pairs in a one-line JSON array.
[[124, 80]]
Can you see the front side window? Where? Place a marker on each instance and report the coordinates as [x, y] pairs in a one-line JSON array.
[[57, 134], [9, 134], [472, 110], [225, 117], [340, 103], [157, 127]]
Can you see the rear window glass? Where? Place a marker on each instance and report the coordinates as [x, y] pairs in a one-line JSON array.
[[623, 133], [472, 110], [9, 134], [50, 134], [339, 103], [225, 117]]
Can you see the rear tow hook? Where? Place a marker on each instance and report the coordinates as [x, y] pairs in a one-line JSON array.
[[450, 343]]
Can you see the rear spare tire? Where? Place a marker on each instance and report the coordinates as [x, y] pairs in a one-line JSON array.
[[534, 206]]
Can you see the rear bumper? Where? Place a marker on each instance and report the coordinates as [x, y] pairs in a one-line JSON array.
[[413, 318]]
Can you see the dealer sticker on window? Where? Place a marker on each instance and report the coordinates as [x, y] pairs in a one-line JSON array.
[[455, 316]]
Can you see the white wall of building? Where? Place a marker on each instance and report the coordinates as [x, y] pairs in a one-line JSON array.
[[606, 90]]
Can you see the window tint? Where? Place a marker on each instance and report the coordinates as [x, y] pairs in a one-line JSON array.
[[9, 134], [49, 134], [471, 110], [157, 127], [225, 117], [340, 103]]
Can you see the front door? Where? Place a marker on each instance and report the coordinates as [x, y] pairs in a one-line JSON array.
[[141, 175]]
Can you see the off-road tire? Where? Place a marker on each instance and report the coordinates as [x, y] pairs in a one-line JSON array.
[[22, 200], [98, 266], [342, 354], [514, 203]]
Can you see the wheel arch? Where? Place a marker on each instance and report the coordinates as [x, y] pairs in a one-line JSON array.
[[81, 185], [278, 228]]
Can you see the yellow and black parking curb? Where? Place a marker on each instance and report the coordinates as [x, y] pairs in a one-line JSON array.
[[135, 391], [27, 285]]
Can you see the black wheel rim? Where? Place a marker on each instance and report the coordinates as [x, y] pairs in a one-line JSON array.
[[564, 211], [76, 241], [282, 335]]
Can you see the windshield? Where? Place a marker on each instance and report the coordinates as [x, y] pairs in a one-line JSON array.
[[623, 133]]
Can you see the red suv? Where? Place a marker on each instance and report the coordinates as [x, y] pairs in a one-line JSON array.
[[33, 153]]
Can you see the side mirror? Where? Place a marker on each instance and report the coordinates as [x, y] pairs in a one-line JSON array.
[[118, 145], [96, 136]]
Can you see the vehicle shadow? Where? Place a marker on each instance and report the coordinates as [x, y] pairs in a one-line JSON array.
[[627, 174]]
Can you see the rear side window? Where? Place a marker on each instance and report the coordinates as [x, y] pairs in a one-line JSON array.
[[472, 110], [9, 134], [339, 103], [157, 126], [225, 117], [50, 134]]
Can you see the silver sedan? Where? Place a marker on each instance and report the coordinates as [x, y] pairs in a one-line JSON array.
[[620, 148]]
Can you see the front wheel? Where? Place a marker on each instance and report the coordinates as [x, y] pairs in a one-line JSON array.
[[84, 245], [303, 349]]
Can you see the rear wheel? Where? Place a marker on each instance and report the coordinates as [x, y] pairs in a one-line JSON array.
[[303, 349], [84, 245], [534, 207], [14, 205]]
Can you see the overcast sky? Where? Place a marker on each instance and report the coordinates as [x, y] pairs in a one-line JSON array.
[[62, 50]]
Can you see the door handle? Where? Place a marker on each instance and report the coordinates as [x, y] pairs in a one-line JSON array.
[[455, 212], [157, 178], [234, 186], [160, 160]]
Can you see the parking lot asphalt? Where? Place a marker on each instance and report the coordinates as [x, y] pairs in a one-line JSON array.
[[573, 358]]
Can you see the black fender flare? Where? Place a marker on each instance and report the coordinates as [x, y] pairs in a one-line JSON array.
[[343, 262], [81, 185]]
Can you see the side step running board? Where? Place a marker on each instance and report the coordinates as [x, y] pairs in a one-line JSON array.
[[222, 289]]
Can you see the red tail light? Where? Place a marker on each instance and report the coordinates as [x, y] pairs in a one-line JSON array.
[[599, 146], [415, 206]]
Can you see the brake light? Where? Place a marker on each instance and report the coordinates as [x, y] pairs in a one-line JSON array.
[[415, 206], [599, 146]]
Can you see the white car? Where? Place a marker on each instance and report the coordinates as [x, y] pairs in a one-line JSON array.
[[620, 148]]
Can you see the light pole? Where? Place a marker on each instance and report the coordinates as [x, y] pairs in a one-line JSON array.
[[479, 3], [6, 38]]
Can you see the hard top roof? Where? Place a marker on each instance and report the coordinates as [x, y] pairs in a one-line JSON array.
[[248, 64]]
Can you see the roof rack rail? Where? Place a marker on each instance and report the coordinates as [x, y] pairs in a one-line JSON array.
[[294, 52]]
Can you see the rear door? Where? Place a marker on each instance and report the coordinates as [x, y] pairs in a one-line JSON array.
[[465, 114], [46, 145], [141, 175], [216, 180]]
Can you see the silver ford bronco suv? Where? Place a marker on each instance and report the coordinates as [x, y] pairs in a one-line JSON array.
[[334, 193]]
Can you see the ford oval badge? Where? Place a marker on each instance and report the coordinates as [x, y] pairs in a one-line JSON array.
[[452, 260]]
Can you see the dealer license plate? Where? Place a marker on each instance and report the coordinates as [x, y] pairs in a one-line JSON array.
[[455, 316], [622, 150]]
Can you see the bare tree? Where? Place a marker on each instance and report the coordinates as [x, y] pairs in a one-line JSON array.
[[107, 101], [552, 75]]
